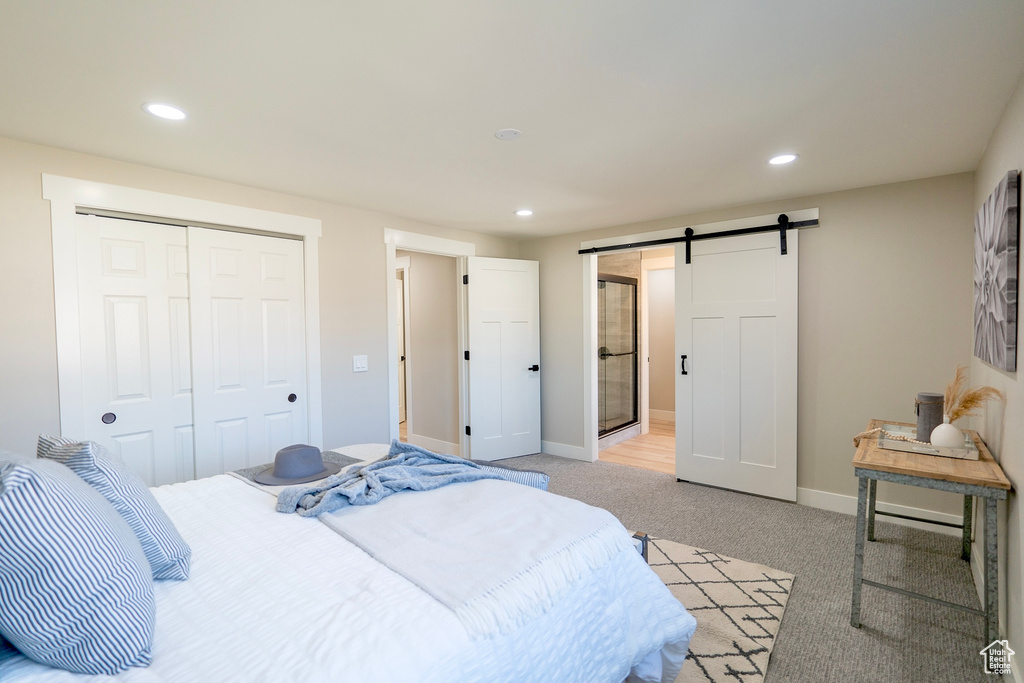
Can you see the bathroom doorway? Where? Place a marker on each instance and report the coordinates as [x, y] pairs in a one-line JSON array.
[[648, 440]]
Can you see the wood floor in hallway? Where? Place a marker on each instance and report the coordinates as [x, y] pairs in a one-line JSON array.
[[655, 450]]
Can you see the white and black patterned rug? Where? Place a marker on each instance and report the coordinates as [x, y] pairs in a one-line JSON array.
[[738, 606]]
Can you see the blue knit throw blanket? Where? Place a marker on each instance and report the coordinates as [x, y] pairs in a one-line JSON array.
[[406, 468]]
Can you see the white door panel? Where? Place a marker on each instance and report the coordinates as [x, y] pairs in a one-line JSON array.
[[736, 322], [133, 318], [400, 299], [708, 426], [504, 344], [248, 328]]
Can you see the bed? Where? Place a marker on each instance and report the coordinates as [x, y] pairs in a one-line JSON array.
[[279, 597]]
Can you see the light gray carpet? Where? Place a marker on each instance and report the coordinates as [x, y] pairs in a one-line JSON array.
[[900, 639]]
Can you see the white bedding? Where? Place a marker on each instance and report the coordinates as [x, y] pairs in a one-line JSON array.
[[276, 597], [545, 542]]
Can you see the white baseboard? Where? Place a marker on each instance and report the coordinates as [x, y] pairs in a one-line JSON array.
[[836, 502], [662, 415], [435, 445], [565, 451]]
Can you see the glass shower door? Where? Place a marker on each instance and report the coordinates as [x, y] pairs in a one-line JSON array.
[[617, 352]]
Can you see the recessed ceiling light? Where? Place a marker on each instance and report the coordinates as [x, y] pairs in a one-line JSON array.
[[524, 212], [782, 159], [164, 111], [508, 134]]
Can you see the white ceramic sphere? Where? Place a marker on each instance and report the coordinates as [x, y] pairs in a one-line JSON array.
[[947, 436]]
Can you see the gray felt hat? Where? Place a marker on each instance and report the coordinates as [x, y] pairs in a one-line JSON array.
[[296, 465]]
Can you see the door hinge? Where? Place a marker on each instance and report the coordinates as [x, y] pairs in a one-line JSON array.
[[467, 355], [467, 431], [465, 279]]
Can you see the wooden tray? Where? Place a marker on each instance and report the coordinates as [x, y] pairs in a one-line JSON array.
[[967, 452]]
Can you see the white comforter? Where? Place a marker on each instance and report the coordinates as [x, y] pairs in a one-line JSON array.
[[275, 597]]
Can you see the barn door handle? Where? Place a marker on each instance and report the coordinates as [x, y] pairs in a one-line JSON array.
[[534, 368], [682, 363]]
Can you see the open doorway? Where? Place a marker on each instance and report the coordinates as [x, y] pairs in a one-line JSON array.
[[427, 297], [651, 443], [402, 321], [496, 400]]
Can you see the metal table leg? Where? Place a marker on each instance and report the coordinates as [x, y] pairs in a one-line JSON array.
[[858, 556], [991, 572], [872, 487], [965, 553]]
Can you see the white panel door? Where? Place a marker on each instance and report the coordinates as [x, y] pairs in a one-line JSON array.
[[504, 358], [134, 326], [736, 325], [249, 362], [400, 298]]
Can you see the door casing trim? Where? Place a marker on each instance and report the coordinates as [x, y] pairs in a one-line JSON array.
[[68, 195], [414, 241], [589, 268]]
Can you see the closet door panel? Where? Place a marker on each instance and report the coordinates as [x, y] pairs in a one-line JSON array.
[[248, 329], [193, 346], [133, 321]]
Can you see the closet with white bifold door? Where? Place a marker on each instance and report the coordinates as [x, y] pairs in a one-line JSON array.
[[192, 345]]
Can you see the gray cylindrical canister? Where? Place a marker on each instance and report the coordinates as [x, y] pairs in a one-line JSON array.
[[929, 414]]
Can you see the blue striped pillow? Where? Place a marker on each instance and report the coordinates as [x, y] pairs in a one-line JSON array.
[[537, 480], [167, 552], [75, 586]]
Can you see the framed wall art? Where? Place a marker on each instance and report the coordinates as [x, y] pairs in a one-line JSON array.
[[996, 236]]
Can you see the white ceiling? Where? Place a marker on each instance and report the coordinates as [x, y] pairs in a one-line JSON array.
[[630, 109]]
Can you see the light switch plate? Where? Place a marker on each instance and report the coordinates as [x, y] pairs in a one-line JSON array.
[[359, 364]]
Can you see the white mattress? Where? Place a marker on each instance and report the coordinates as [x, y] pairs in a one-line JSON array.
[[276, 597]]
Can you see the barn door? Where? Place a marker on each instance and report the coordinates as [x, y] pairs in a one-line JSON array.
[[504, 358], [736, 354]]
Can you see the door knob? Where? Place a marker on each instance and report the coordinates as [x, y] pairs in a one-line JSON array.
[[108, 418], [292, 398], [534, 368]]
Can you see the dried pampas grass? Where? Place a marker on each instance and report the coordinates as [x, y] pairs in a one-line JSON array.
[[961, 402]]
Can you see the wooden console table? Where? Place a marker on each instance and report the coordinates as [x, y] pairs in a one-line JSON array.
[[982, 478]]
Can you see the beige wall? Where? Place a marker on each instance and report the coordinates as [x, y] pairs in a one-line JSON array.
[[353, 286], [433, 350], [1002, 425], [882, 305], [661, 317]]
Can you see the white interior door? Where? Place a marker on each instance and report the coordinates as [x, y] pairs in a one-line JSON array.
[[249, 362], [503, 312], [400, 298], [134, 327], [736, 324]]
